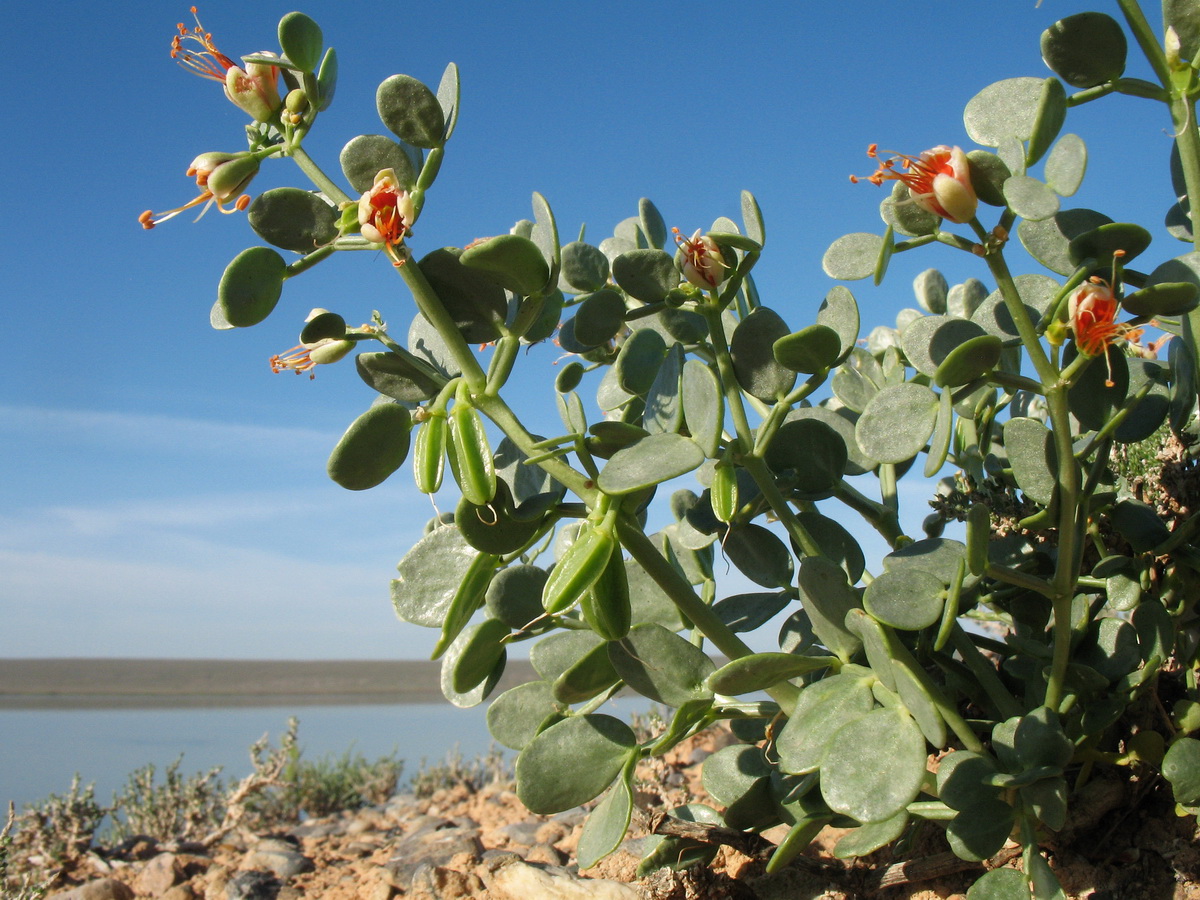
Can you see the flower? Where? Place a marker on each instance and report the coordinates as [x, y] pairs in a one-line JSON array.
[[252, 89], [220, 177], [305, 357], [1093, 312], [939, 180], [703, 264], [386, 214]]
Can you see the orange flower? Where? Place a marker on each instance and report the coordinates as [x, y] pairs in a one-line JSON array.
[[939, 180], [253, 89], [386, 214], [1093, 311], [221, 177], [703, 263]]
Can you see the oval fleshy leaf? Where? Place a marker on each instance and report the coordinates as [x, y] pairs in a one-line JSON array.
[[646, 274], [874, 766], [1003, 110], [1049, 240], [853, 256], [584, 267], [301, 41], [661, 665], [513, 262], [411, 111], [703, 406], [1066, 165], [293, 219], [429, 576], [585, 753], [651, 461], [515, 717], [368, 154], [1029, 198], [1085, 49], [812, 349], [250, 287], [897, 422], [908, 599], [754, 363], [373, 447]]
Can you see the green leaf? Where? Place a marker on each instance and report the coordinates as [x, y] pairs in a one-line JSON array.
[[812, 349], [1051, 113], [752, 219], [852, 257], [651, 461], [980, 832], [1085, 49], [759, 555], [738, 777], [908, 599], [411, 111], [1029, 198], [754, 363], [661, 665], [327, 77], [637, 364], [897, 422], [939, 556], [397, 376], [840, 312], [867, 839], [293, 219], [572, 762], [1066, 165], [301, 41], [1039, 740], [964, 780], [606, 825], [453, 658], [651, 222], [1101, 389], [429, 576], [823, 708], [471, 296], [812, 452], [1030, 448], [827, 597], [599, 316], [664, 406], [646, 274], [584, 267], [703, 406], [373, 447], [587, 677], [250, 287], [555, 654], [515, 717], [1000, 884], [1006, 109], [988, 174], [448, 95], [1049, 240], [1163, 299], [1100, 243], [513, 262], [1036, 293], [369, 154], [1181, 767], [1184, 17], [874, 765]]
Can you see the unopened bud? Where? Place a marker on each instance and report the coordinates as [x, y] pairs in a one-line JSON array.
[[230, 178], [329, 351]]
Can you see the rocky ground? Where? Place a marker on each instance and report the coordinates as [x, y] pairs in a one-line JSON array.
[[461, 843]]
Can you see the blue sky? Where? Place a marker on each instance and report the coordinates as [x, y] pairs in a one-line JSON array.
[[163, 494]]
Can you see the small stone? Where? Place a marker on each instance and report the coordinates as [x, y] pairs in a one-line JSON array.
[[252, 886], [100, 889], [523, 833], [179, 892], [277, 856], [546, 853], [550, 832], [521, 881], [433, 847], [159, 875]]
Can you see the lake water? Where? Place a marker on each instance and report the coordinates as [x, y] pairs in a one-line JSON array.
[[40, 750]]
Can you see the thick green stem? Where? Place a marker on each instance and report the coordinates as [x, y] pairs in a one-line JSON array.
[[1147, 40], [319, 178], [431, 307], [1006, 704], [642, 549]]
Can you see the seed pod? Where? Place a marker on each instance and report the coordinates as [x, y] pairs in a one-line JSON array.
[[470, 453], [606, 606], [429, 453], [468, 597], [580, 567], [979, 527], [723, 493]]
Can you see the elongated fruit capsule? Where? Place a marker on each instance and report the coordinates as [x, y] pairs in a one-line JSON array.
[[979, 530], [470, 453], [467, 598], [429, 453], [580, 567], [606, 606], [723, 493]]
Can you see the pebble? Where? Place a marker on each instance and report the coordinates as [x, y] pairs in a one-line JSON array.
[[100, 889], [278, 857], [252, 886], [522, 881], [434, 844], [159, 875]]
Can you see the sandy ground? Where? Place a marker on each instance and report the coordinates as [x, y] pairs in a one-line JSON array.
[[149, 683]]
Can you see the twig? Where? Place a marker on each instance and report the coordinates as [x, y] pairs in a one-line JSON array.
[[913, 870]]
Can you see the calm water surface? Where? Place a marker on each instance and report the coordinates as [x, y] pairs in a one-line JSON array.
[[40, 750]]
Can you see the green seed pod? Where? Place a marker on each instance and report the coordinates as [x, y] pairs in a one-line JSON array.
[[979, 527], [429, 453], [468, 597], [723, 493], [606, 606], [579, 569], [470, 453]]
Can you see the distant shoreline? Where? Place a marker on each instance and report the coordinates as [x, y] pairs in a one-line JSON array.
[[106, 683]]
